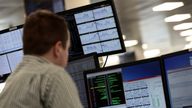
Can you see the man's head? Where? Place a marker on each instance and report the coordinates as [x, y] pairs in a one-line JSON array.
[[45, 34]]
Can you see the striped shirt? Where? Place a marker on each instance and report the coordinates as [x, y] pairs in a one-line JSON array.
[[37, 83]]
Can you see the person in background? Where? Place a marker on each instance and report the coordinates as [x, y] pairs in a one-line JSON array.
[[40, 80]]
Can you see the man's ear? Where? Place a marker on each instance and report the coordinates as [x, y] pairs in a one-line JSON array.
[[57, 49]]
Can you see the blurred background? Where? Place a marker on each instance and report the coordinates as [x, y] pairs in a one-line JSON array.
[[150, 27]]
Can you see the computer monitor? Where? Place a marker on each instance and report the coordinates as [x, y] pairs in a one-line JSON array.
[[178, 68], [76, 67], [10, 43], [94, 28], [133, 85], [11, 39]]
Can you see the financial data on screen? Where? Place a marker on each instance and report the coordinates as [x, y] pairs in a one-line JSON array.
[[76, 69], [98, 31], [136, 85], [15, 58], [4, 65], [105, 89], [179, 74], [143, 86], [92, 28], [10, 41], [10, 49]]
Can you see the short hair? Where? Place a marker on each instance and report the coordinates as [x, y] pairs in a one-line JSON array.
[[42, 30]]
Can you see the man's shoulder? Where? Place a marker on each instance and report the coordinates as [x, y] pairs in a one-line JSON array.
[[54, 70]]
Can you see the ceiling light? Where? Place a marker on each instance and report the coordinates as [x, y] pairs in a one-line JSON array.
[[183, 26], [151, 53], [189, 45], [177, 17], [186, 33], [167, 6], [130, 43], [144, 46], [189, 38]]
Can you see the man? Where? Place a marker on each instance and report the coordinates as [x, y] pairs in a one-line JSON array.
[[40, 81]]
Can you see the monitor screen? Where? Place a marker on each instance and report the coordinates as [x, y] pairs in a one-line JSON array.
[[105, 89], [76, 67], [11, 39], [15, 58], [10, 48], [178, 68], [143, 85], [95, 28], [4, 65], [133, 85]]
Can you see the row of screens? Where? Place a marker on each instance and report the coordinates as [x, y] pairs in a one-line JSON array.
[[144, 84], [162, 82], [127, 86], [94, 28]]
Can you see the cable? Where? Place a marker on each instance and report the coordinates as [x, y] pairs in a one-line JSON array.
[[105, 61]]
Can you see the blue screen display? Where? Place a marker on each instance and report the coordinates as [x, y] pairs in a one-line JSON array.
[[179, 73], [140, 71], [179, 61]]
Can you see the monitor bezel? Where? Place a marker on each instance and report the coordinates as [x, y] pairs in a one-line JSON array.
[[158, 59], [176, 53], [96, 5], [165, 75], [94, 55]]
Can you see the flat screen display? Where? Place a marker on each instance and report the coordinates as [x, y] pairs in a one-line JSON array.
[[11, 39], [133, 85], [178, 68], [143, 85], [11, 46], [95, 28], [105, 89], [76, 67]]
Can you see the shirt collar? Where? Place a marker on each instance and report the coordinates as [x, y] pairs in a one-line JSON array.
[[34, 58]]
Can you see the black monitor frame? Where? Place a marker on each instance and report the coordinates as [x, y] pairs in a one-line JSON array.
[[176, 53], [71, 59], [91, 7], [165, 75], [164, 81]]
